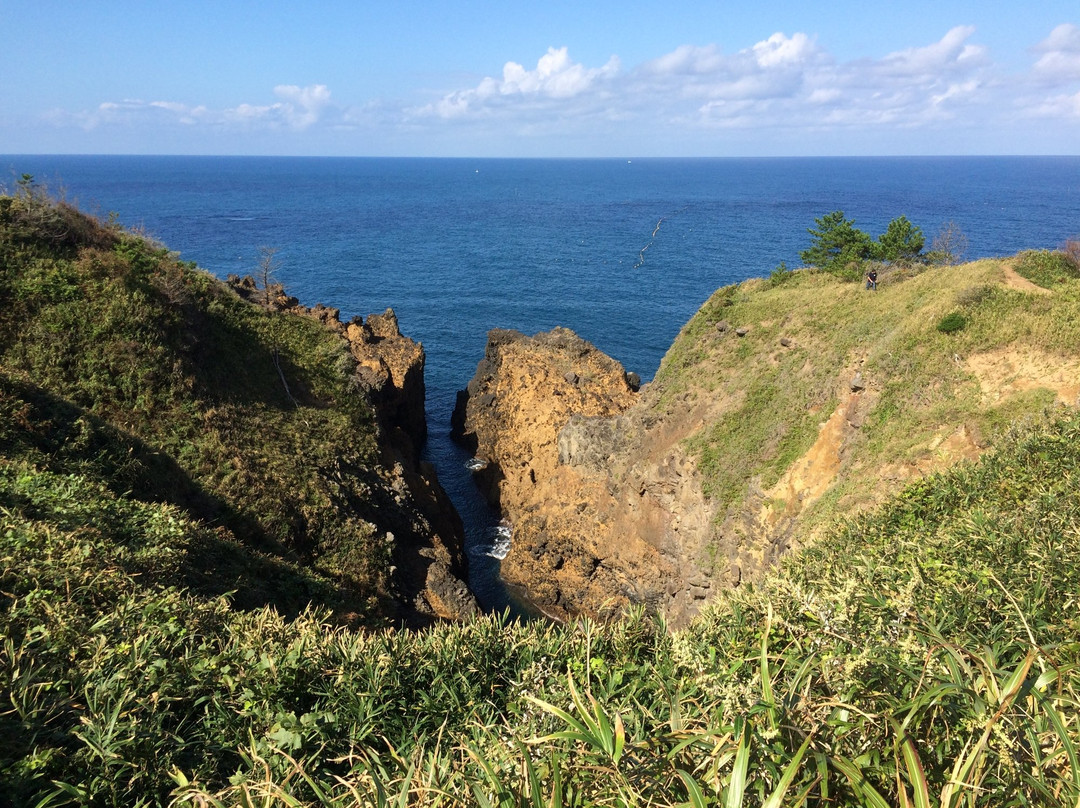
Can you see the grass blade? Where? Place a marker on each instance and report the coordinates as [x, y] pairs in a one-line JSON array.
[[737, 784], [693, 790], [774, 800]]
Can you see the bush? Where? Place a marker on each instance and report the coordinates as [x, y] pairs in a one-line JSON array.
[[837, 244], [1071, 249], [951, 322], [902, 241], [780, 275], [949, 245], [841, 249]]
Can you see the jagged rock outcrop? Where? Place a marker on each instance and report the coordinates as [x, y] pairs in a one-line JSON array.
[[607, 506], [414, 514], [544, 412]]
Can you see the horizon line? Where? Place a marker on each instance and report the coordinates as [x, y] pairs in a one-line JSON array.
[[628, 158]]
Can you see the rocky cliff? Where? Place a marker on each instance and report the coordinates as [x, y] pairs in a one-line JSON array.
[[413, 512], [605, 506], [778, 410]]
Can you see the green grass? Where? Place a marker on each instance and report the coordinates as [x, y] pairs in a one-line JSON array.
[[923, 652], [120, 362], [929, 646], [1047, 268], [767, 401]]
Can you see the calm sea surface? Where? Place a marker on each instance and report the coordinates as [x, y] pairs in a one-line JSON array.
[[621, 251]]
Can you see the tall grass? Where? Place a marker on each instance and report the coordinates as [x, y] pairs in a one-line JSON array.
[[122, 363], [922, 654]]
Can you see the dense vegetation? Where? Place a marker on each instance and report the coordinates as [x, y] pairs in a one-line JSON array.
[[928, 648], [924, 653], [122, 363], [839, 247]]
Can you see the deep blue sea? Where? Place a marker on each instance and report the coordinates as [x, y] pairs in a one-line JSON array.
[[621, 251]]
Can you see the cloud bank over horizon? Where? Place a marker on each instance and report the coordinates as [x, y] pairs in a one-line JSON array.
[[784, 94]]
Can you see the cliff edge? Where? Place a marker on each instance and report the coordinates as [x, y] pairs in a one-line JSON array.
[[290, 437], [779, 409]]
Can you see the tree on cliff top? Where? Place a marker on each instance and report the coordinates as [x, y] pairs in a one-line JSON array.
[[837, 244], [901, 241], [841, 248]]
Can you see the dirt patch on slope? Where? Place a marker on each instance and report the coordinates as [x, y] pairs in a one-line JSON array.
[[811, 475], [1005, 372]]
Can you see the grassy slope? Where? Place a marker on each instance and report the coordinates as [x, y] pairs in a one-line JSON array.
[[933, 640], [121, 363], [916, 374], [926, 648]]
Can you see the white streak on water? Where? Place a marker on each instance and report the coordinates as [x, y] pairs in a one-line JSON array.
[[652, 238]]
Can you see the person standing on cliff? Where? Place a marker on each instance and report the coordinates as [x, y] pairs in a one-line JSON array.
[[871, 279]]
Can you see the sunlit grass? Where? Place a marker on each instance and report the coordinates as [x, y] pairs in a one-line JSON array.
[[924, 653]]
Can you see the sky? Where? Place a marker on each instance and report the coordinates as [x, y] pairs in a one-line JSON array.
[[539, 79]]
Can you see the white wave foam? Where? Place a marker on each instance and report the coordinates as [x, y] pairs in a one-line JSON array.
[[500, 541], [476, 464]]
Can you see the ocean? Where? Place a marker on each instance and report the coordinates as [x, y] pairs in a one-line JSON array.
[[621, 251]]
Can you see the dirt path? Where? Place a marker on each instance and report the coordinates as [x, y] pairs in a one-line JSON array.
[[1015, 280]]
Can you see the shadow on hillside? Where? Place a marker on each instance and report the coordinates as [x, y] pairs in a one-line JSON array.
[[233, 363], [54, 434]]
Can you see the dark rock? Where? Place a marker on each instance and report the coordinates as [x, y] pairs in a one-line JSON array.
[[722, 326], [857, 383], [326, 314], [742, 330], [787, 343], [634, 380]]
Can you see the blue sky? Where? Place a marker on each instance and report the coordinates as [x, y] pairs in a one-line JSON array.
[[558, 79]]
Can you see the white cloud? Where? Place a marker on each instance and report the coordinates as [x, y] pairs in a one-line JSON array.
[[779, 50], [555, 78], [783, 86], [789, 81], [1061, 106], [299, 109], [1060, 51], [949, 55], [303, 106]]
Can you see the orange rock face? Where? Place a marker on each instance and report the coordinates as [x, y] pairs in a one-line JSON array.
[[596, 514]]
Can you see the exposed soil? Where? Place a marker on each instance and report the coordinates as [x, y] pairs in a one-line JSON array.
[[1014, 280], [1002, 373]]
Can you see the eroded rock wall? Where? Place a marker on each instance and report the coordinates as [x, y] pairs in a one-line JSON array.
[[600, 502], [607, 506], [409, 509]]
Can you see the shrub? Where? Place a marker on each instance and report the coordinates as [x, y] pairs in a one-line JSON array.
[[974, 295], [949, 246], [951, 322], [902, 241], [780, 275], [1071, 249], [841, 249], [837, 244]]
